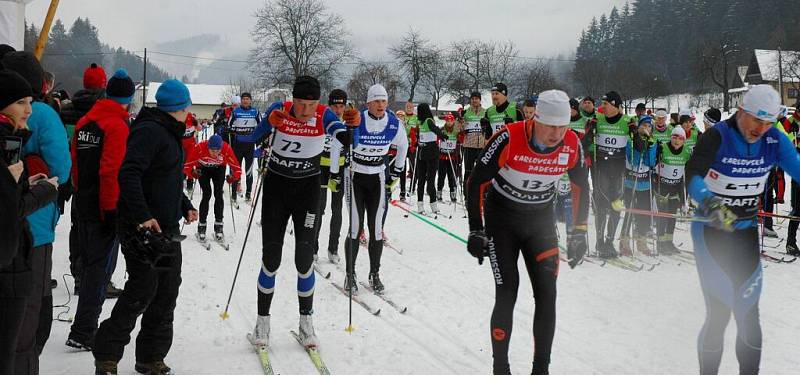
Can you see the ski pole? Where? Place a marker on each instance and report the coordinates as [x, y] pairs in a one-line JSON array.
[[637, 211], [350, 245], [233, 219], [424, 219], [224, 315], [453, 169]]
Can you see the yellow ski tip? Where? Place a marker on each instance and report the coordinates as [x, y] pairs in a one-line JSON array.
[[224, 315], [350, 329]]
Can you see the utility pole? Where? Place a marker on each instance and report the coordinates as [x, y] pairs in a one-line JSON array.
[[780, 73], [45, 33], [144, 79], [477, 68]]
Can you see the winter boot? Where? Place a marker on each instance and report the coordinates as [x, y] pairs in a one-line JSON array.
[[625, 247], [333, 257], [53, 283], [439, 196], [201, 232], [453, 197], [607, 250], [435, 208], [667, 248], [261, 331], [769, 232], [350, 284], [105, 367], [540, 368], [78, 344], [247, 197], [219, 236], [112, 291], [375, 283], [307, 336], [791, 249], [642, 247], [420, 207], [153, 368]]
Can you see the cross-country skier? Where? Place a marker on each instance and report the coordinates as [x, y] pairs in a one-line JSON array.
[[514, 183], [669, 187], [378, 130], [791, 235], [640, 158], [609, 132], [337, 100], [206, 163], [686, 121], [727, 174], [501, 112], [662, 132], [473, 137], [449, 150], [428, 135], [189, 141], [291, 190], [242, 121]]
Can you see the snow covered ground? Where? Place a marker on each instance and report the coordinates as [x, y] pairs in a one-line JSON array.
[[610, 321]]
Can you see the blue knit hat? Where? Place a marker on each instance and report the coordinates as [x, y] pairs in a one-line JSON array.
[[120, 87], [173, 96], [215, 142], [646, 119]]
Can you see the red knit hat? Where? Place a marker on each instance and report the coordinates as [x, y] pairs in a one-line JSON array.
[[94, 77]]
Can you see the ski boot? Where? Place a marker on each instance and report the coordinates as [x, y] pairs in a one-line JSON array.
[[435, 208], [667, 248], [607, 251], [307, 336], [438, 195], [375, 283], [260, 335], [791, 249], [153, 368], [77, 344], [350, 284], [201, 232], [105, 367], [642, 247], [219, 236], [333, 257], [53, 283], [769, 232], [625, 247], [402, 196], [453, 197], [247, 197], [420, 207], [112, 291]]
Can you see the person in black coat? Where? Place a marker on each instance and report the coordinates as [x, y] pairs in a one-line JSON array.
[[19, 197], [151, 204]]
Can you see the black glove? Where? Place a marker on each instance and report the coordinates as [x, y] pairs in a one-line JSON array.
[[486, 127], [64, 195], [343, 137], [719, 215], [478, 244], [576, 246]]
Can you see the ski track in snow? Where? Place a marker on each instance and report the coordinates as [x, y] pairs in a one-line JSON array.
[[610, 321]]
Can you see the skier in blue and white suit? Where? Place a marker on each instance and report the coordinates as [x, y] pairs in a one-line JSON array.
[[379, 130], [727, 174], [242, 122]]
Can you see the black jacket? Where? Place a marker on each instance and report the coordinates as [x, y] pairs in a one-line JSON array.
[[18, 200], [151, 177], [80, 105]]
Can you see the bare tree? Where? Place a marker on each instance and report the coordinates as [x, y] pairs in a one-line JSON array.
[[535, 77], [439, 77], [465, 56], [368, 74], [716, 61], [791, 70], [500, 64], [413, 55], [298, 37]]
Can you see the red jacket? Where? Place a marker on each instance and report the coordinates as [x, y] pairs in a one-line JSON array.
[[97, 150], [189, 140], [201, 158]]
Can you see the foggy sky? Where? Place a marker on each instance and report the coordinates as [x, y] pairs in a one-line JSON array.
[[540, 28]]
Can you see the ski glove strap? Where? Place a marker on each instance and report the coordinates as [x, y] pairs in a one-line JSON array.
[[478, 244], [719, 215]]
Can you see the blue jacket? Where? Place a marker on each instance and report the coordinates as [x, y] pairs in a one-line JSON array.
[[48, 140], [643, 161]]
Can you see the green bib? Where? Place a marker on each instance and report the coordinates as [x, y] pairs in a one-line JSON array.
[[472, 121], [578, 125], [497, 119], [411, 121], [692, 140], [611, 138], [425, 134], [671, 166], [663, 137]]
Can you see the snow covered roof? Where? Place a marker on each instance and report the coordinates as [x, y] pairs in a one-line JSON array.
[[767, 64], [448, 102], [201, 94]]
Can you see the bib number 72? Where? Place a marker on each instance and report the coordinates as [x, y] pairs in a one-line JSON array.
[[291, 146]]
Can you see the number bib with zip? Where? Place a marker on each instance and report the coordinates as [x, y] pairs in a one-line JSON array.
[[611, 138], [529, 177], [672, 167], [373, 146], [297, 146]]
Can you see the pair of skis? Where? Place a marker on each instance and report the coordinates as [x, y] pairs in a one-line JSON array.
[[207, 244], [266, 363]]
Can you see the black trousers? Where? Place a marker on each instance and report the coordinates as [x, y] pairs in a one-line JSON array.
[[532, 234], [426, 178], [607, 187], [74, 253], [368, 197], [641, 223], [337, 198], [791, 235], [217, 176], [99, 248], [665, 226], [12, 312], [408, 167], [244, 153], [38, 313], [149, 292], [729, 267], [446, 171], [470, 157], [285, 198]]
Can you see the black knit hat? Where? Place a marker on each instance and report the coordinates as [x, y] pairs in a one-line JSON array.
[[612, 97], [120, 87], [4, 49], [306, 87], [12, 88], [641, 106], [574, 104], [712, 115], [501, 88], [26, 65], [337, 96]]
